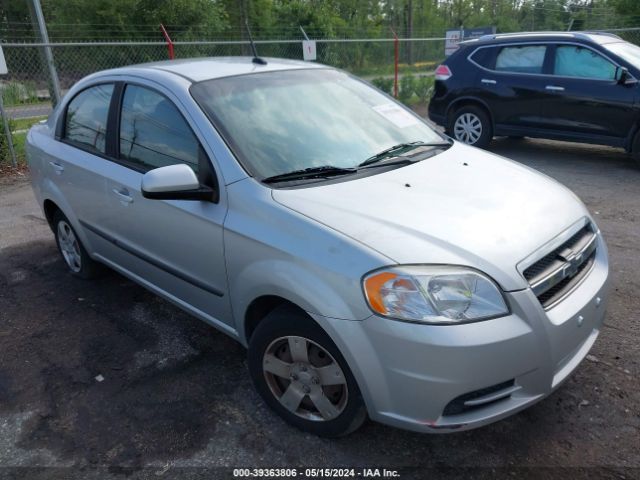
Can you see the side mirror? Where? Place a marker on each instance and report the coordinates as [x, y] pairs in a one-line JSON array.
[[623, 77], [174, 182]]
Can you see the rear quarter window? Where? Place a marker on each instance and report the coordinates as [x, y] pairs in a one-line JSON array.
[[485, 57]]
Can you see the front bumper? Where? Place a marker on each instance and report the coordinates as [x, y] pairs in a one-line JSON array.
[[409, 373]]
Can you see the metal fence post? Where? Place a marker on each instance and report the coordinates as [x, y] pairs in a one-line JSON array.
[[396, 59], [48, 54]]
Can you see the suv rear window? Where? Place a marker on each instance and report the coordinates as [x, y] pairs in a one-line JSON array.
[[521, 59]]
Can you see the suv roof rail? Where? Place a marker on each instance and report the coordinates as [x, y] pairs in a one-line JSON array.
[[493, 36], [578, 34], [596, 32]]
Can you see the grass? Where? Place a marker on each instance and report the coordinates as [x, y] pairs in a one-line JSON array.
[[403, 68], [6, 168], [19, 140], [19, 137], [17, 93], [25, 123]]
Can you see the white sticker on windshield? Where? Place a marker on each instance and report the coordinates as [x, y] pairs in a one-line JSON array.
[[396, 115]]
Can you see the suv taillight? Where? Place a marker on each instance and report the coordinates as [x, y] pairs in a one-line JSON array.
[[443, 72]]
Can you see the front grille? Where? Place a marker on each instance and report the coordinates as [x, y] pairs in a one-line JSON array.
[[554, 275], [565, 286], [457, 406]]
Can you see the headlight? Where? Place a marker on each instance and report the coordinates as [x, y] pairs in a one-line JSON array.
[[434, 294]]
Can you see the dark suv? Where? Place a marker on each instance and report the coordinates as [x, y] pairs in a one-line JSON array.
[[574, 86]]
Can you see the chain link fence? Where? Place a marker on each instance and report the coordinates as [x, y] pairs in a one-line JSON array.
[[27, 91]]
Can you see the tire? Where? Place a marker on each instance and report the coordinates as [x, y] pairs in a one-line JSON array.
[[471, 125], [73, 252], [284, 334]]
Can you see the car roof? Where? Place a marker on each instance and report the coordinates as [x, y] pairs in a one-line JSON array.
[[590, 37], [207, 68]]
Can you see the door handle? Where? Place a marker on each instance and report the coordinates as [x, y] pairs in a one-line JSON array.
[[488, 81], [123, 195], [57, 167], [554, 88]]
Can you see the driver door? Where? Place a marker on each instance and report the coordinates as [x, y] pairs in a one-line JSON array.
[[175, 247], [583, 99]]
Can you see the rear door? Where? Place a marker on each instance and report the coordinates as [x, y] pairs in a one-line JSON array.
[[78, 162], [582, 97], [512, 84], [173, 246]]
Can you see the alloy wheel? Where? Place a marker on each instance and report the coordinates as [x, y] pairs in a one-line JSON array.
[[467, 128], [305, 378], [69, 246]]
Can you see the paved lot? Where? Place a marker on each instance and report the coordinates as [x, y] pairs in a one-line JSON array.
[[177, 394]]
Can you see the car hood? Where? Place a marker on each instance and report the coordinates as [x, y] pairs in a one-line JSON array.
[[462, 207]]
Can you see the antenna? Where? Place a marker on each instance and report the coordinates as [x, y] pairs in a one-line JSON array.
[[256, 58]]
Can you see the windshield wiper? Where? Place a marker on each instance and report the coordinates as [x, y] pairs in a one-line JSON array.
[[394, 152], [311, 172], [331, 171]]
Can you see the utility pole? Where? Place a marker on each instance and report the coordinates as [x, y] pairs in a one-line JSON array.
[[54, 83]]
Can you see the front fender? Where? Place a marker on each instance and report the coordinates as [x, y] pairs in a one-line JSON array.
[[286, 279], [271, 249]]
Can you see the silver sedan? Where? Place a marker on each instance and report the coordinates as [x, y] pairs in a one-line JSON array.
[[372, 266]]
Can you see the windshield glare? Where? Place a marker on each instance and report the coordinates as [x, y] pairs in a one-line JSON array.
[[278, 122], [626, 51]]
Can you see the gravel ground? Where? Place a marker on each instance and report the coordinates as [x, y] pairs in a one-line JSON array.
[[176, 400]]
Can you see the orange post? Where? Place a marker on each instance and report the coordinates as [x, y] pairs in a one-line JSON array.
[[169, 42]]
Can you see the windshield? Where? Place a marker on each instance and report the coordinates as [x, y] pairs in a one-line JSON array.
[[626, 51], [279, 122]]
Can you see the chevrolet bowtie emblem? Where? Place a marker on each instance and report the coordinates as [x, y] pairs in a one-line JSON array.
[[572, 265]]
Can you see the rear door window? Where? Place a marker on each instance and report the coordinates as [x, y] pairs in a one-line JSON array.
[[86, 118], [521, 59], [576, 61]]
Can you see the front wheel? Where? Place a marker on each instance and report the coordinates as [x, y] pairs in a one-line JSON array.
[[471, 125], [300, 373]]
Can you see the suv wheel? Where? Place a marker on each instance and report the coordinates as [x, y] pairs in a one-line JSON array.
[[75, 256], [300, 373], [471, 125]]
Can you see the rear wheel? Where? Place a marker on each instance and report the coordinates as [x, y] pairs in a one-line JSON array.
[[300, 373], [75, 256], [471, 125]]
